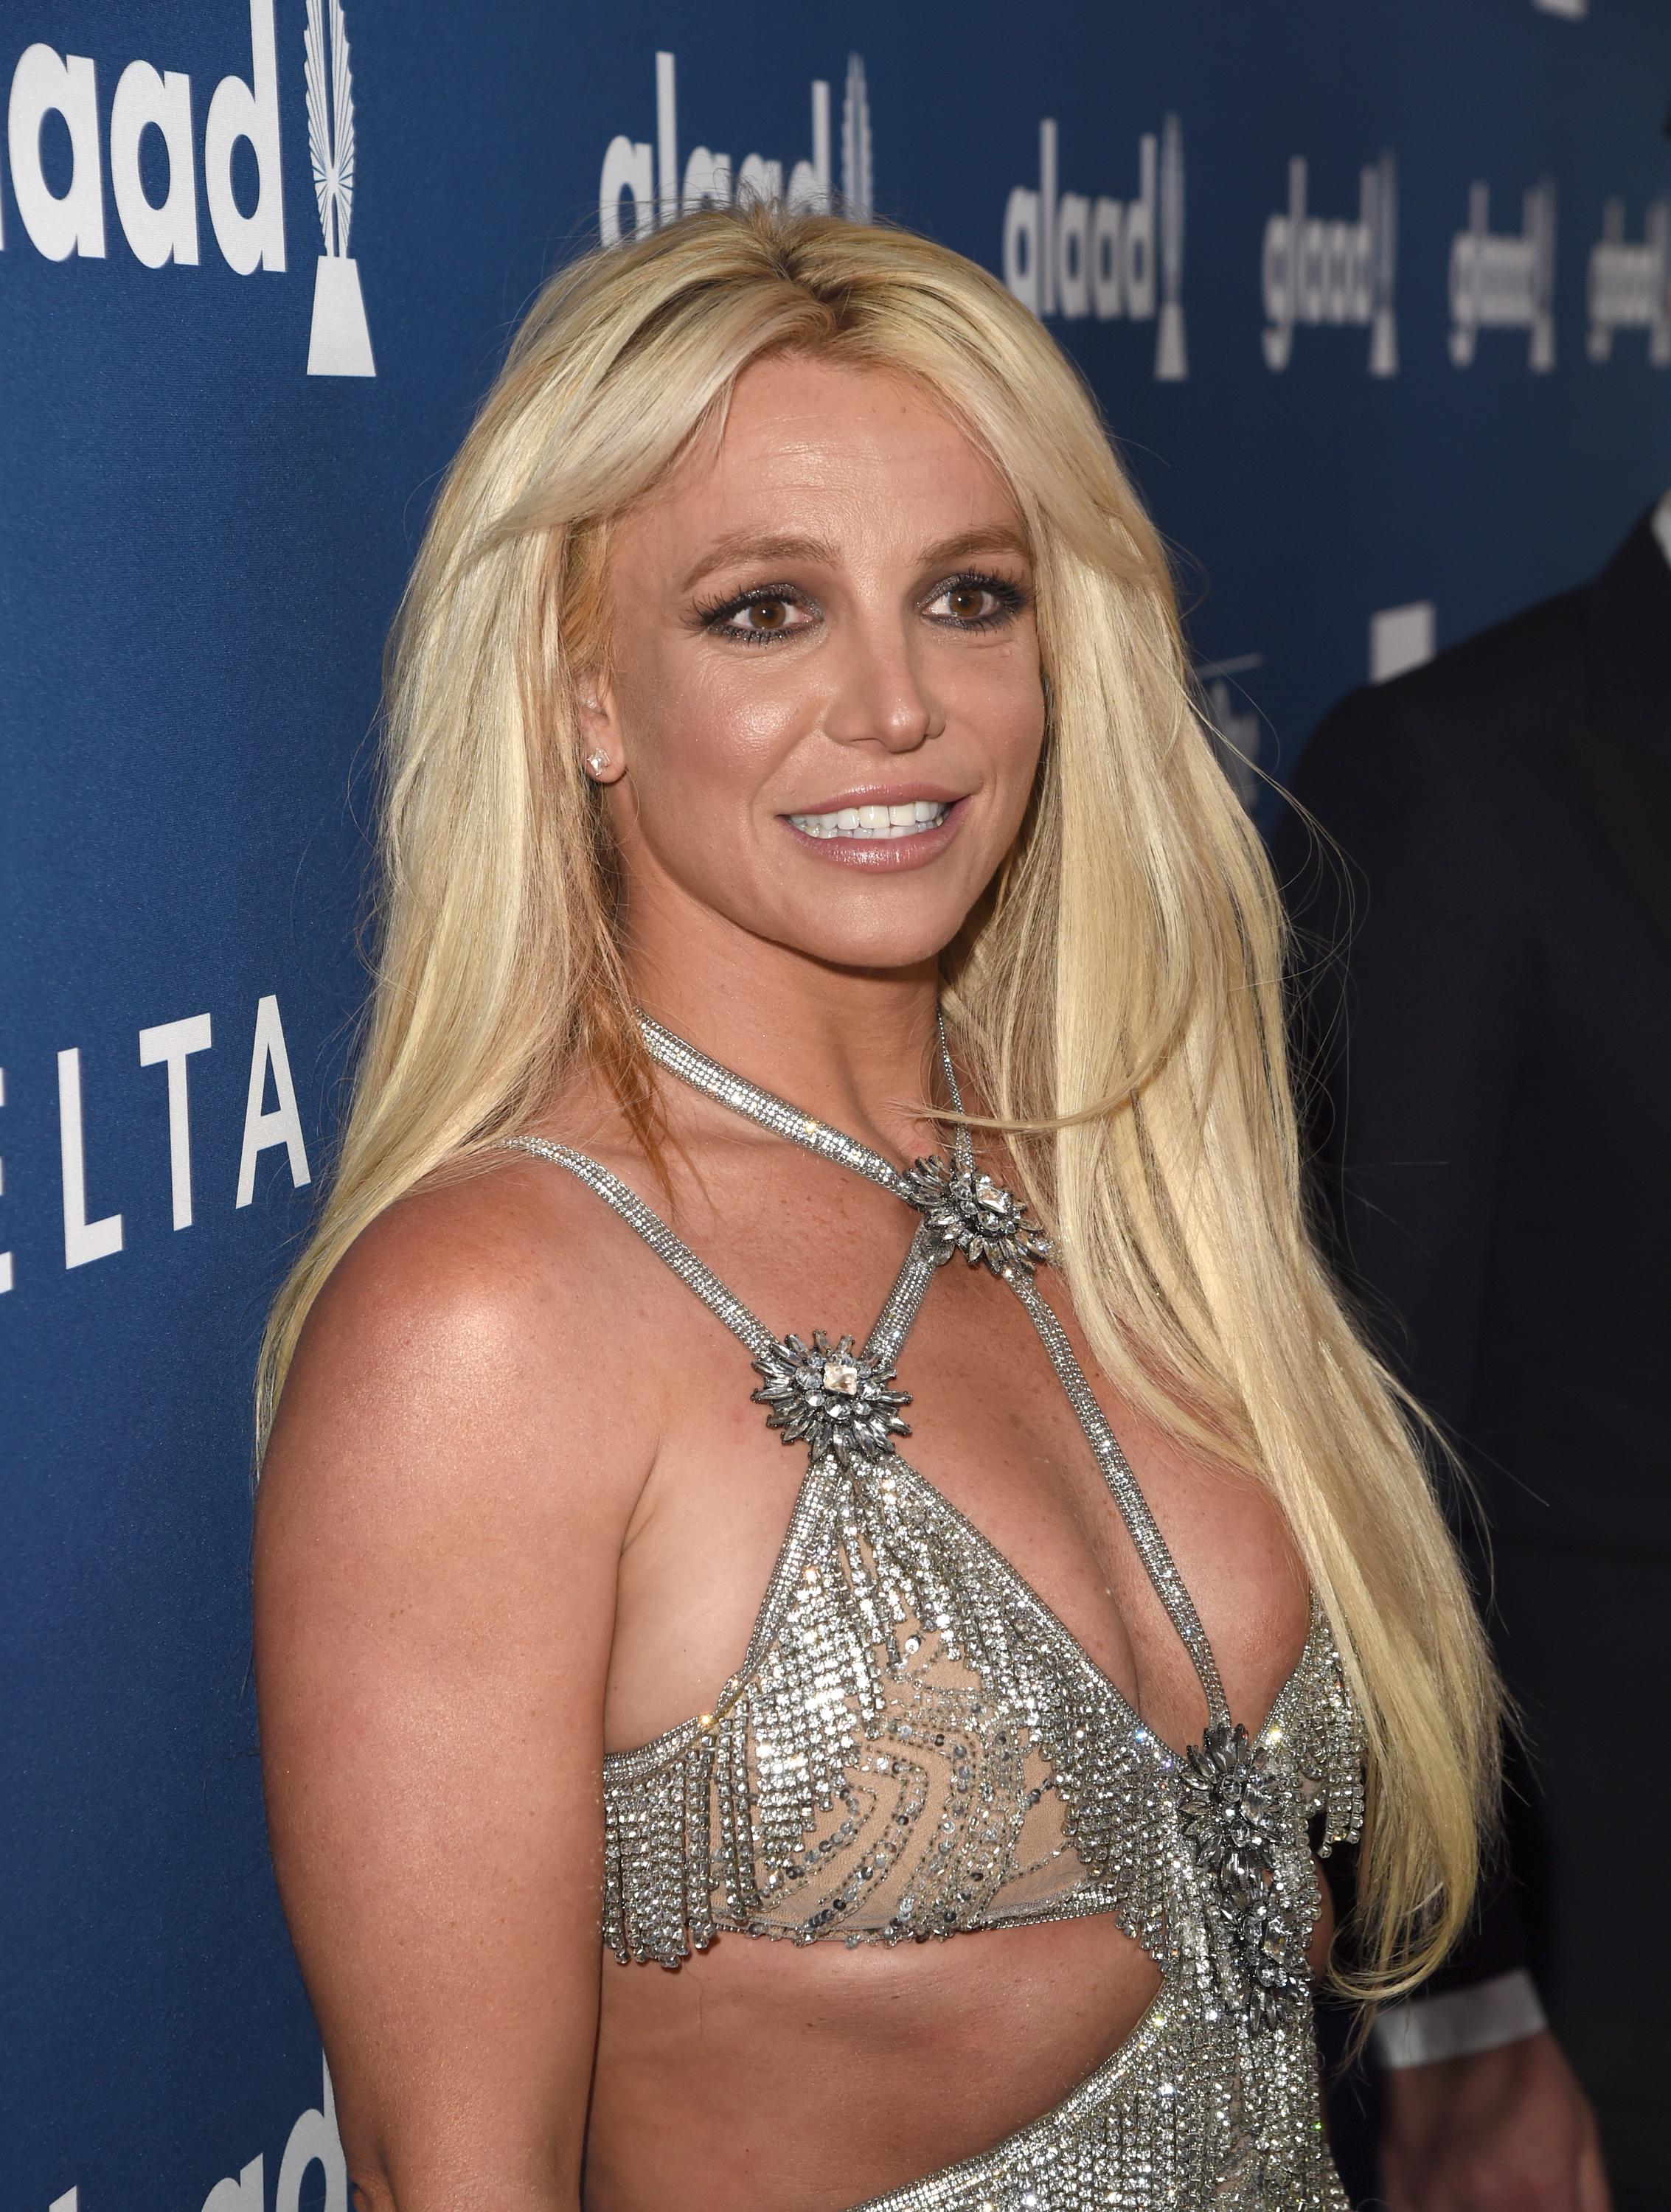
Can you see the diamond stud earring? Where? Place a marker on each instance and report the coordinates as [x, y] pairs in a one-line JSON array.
[[596, 764]]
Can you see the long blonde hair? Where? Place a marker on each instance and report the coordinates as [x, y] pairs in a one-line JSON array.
[[1117, 993]]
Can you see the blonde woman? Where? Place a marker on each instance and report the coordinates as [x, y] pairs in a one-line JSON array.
[[791, 777]]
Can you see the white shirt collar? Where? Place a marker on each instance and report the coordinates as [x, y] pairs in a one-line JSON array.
[[1662, 525]]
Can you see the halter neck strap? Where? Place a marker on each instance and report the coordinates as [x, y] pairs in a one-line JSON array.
[[892, 1324], [783, 1120]]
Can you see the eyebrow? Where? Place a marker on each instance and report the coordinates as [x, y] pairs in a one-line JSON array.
[[754, 546], [999, 539]]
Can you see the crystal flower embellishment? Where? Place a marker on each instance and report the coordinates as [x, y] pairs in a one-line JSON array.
[[831, 1398], [1229, 1803], [964, 1211]]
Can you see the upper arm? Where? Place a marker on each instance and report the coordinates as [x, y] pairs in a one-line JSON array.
[[437, 1537]]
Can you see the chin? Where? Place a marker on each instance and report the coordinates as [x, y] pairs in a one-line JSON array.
[[878, 924], [880, 951]]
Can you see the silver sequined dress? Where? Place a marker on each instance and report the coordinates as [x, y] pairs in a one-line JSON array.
[[915, 1747]]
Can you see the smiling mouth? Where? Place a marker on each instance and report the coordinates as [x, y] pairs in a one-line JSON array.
[[910, 818]]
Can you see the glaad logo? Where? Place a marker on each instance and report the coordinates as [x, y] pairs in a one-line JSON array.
[[1065, 255], [659, 192], [73, 222], [314, 2141], [47, 84], [1314, 271], [1630, 285], [340, 344], [1504, 282]]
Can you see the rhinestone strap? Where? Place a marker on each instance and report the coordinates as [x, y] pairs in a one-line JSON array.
[[1158, 1562], [963, 1142], [764, 1107], [659, 1236], [892, 1323]]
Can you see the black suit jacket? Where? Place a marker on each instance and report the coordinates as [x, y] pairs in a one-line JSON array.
[[1485, 1012]]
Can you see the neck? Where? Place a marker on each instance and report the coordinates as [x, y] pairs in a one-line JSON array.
[[855, 1047]]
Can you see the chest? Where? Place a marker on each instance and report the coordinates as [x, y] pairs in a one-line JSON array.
[[993, 1431]]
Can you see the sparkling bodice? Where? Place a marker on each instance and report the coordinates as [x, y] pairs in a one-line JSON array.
[[915, 1747]]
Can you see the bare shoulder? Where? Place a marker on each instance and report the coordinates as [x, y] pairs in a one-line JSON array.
[[438, 1545], [456, 1354]]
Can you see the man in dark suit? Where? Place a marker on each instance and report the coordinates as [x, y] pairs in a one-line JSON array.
[[1484, 983]]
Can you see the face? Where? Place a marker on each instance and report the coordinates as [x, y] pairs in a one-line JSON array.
[[823, 709]]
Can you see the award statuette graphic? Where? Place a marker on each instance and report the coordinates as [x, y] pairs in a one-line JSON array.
[[1172, 357], [857, 190], [340, 344]]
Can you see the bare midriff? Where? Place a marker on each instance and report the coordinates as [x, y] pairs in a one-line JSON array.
[[767, 2076]]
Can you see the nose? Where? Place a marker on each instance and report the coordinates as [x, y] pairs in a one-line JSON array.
[[882, 696]]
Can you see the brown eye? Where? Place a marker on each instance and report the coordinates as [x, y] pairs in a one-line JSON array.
[[966, 602], [758, 617]]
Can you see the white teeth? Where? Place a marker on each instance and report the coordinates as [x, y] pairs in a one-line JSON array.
[[907, 819]]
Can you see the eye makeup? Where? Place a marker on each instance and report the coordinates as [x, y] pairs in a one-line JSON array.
[[777, 604]]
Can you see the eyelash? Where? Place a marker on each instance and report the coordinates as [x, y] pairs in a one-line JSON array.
[[1011, 597], [714, 617]]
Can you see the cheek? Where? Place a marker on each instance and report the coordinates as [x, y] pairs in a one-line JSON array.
[[704, 735], [1002, 705]]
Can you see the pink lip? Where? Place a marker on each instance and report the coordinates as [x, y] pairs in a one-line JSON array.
[[881, 794], [883, 855]]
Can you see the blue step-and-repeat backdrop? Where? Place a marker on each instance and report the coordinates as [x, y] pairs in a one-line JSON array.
[[1375, 295]]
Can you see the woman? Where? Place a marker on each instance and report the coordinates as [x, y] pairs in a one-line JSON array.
[[788, 669]]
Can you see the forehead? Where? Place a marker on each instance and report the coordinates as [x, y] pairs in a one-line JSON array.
[[802, 433]]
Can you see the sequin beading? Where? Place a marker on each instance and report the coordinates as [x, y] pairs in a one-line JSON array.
[[915, 1747]]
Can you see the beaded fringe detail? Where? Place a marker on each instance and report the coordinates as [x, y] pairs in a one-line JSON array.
[[916, 1746]]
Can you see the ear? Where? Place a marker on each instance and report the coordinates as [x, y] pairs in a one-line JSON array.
[[599, 726]]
